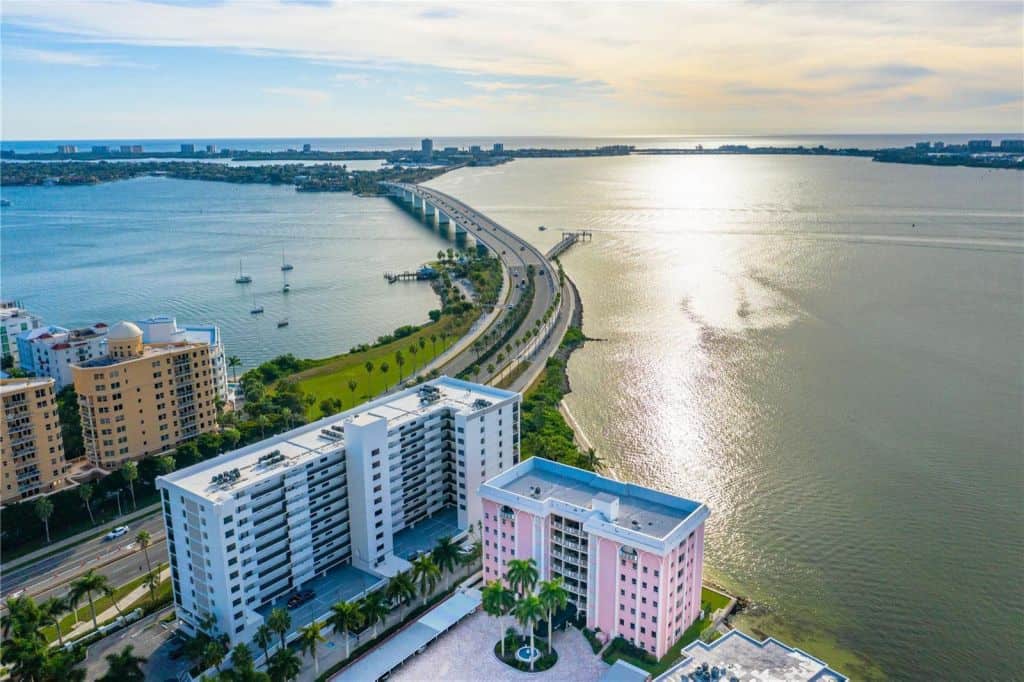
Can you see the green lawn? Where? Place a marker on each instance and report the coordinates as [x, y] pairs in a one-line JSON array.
[[711, 600], [103, 603], [330, 378]]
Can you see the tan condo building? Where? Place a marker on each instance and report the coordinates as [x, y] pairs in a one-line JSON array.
[[31, 450], [143, 399]]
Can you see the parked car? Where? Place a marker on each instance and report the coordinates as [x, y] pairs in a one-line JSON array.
[[116, 533]]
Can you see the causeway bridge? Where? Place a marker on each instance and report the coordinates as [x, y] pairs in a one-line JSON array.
[[515, 253]]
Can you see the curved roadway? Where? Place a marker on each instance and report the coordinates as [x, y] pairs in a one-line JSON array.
[[515, 253]]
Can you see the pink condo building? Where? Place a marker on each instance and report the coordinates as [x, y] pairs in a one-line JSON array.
[[631, 557]]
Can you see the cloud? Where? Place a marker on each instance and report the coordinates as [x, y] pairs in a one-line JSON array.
[[308, 95], [440, 13], [359, 79], [62, 57]]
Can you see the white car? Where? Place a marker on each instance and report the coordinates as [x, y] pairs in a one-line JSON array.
[[117, 532]]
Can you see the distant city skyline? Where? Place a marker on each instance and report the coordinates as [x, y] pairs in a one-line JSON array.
[[209, 69]]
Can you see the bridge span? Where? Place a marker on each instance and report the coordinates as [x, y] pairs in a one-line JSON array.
[[516, 255]]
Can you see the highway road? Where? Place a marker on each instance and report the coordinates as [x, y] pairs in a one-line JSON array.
[[515, 253], [118, 559]]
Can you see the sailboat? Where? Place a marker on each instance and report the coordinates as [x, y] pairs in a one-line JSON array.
[[285, 265], [287, 287], [282, 322], [242, 278], [256, 309]]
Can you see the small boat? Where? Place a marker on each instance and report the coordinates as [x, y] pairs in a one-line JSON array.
[[542, 228], [256, 309], [286, 287], [282, 323], [242, 278], [285, 266]]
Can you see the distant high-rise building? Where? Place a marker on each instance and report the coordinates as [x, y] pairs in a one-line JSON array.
[[475, 149], [31, 450], [427, 146], [143, 399], [938, 145], [922, 146], [211, 149], [498, 148], [188, 149], [67, 149], [1011, 146], [307, 147], [131, 149], [100, 149], [979, 145]]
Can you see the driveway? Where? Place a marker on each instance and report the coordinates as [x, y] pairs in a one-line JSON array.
[[464, 653]]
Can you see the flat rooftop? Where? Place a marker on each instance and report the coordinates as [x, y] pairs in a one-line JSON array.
[[14, 385], [309, 441], [745, 658], [641, 510], [149, 350]]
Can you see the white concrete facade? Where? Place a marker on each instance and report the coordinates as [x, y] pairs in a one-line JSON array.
[[50, 351], [249, 526], [14, 320]]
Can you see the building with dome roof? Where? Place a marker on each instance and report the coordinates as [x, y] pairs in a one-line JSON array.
[[143, 399]]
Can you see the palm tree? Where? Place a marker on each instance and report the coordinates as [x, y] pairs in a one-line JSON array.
[[433, 344], [124, 666], [374, 609], [44, 509], [490, 368], [213, 654], [412, 352], [522, 575], [369, 374], [90, 582], [400, 361], [243, 667], [286, 414], [446, 555], [130, 472], [263, 638], [233, 362], [279, 621], [51, 610], [426, 573], [284, 666], [152, 581], [528, 611], [352, 386], [85, 492], [593, 459], [22, 620], [384, 367], [345, 618], [553, 598], [263, 421], [310, 637], [144, 538], [400, 589], [498, 601]]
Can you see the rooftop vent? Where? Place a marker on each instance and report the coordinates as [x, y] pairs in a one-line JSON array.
[[429, 393], [330, 434], [227, 477], [535, 491], [480, 404], [271, 458]]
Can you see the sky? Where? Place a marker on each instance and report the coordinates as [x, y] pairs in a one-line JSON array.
[[96, 69]]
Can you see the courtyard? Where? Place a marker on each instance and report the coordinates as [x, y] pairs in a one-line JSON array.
[[465, 653]]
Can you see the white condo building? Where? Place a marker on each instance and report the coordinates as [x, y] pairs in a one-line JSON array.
[[165, 329], [50, 351], [13, 321], [335, 506]]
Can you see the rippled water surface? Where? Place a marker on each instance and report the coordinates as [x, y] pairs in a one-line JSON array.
[[152, 245], [829, 353]]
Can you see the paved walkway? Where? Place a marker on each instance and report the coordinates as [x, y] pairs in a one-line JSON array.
[[464, 654], [85, 622]]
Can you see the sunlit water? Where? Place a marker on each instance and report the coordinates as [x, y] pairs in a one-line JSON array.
[[152, 245], [828, 353]]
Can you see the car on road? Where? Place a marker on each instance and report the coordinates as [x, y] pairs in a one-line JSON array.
[[116, 533]]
